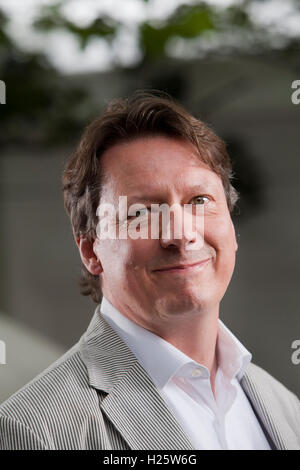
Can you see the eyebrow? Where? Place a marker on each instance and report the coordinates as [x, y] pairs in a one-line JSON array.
[[203, 188]]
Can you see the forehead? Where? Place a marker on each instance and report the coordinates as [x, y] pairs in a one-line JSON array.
[[154, 163]]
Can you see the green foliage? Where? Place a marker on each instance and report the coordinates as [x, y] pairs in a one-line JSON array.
[[237, 16], [4, 38], [42, 109], [51, 18], [187, 22]]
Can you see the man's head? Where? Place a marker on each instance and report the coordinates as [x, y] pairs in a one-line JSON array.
[[152, 151]]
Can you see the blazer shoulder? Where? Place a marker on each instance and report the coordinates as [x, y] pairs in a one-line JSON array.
[[275, 390], [46, 406], [51, 375]]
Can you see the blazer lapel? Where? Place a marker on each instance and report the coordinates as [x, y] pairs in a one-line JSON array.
[[268, 410], [133, 403]]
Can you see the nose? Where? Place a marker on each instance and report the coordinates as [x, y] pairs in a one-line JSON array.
[[181, 229]]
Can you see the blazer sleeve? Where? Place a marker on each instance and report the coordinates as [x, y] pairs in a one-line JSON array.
[[16, 436]]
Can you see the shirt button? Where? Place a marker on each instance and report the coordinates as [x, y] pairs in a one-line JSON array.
[[196, 372]]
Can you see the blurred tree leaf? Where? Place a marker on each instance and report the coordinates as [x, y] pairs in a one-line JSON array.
[[236, 15], [191, 21], [4, 38], [51, 18], [187, 22], [102, 27], [41, 108]]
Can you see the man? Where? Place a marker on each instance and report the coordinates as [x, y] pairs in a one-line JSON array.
[[157, 368]]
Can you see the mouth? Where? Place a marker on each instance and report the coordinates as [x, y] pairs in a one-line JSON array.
[[184, 268]]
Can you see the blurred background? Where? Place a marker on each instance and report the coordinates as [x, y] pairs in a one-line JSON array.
[[230, 63]]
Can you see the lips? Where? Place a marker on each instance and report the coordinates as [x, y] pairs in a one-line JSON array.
[[182, 267]]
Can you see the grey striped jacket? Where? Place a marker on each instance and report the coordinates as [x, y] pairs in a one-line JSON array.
[[98, 396]]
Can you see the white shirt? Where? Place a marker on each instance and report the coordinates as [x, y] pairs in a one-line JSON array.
[[225, 423]]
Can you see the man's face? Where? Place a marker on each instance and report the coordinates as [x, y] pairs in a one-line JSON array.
[[165, 170]]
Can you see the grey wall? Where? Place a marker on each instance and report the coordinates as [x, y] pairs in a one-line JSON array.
[[27, 353]]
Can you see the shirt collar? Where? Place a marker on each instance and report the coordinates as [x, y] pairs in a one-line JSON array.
[[151, 350]]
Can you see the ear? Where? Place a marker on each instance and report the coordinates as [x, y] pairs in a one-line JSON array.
[[88, 256]]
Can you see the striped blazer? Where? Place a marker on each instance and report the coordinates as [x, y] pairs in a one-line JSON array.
[[98, 396]]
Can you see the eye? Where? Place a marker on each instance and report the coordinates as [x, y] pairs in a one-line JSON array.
[[142, 211], [201, 199]]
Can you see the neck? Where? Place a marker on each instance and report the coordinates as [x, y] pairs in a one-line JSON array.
[[196, 337], [194, 332]]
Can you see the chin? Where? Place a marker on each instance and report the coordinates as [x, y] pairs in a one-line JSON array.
[[179, 304]]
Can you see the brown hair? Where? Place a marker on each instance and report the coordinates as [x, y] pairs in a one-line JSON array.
[[144, 113]]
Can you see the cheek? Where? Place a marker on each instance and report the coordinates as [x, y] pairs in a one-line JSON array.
[[123, 257], [220, 234], [139, 254], [222, 231], [112, 255]]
